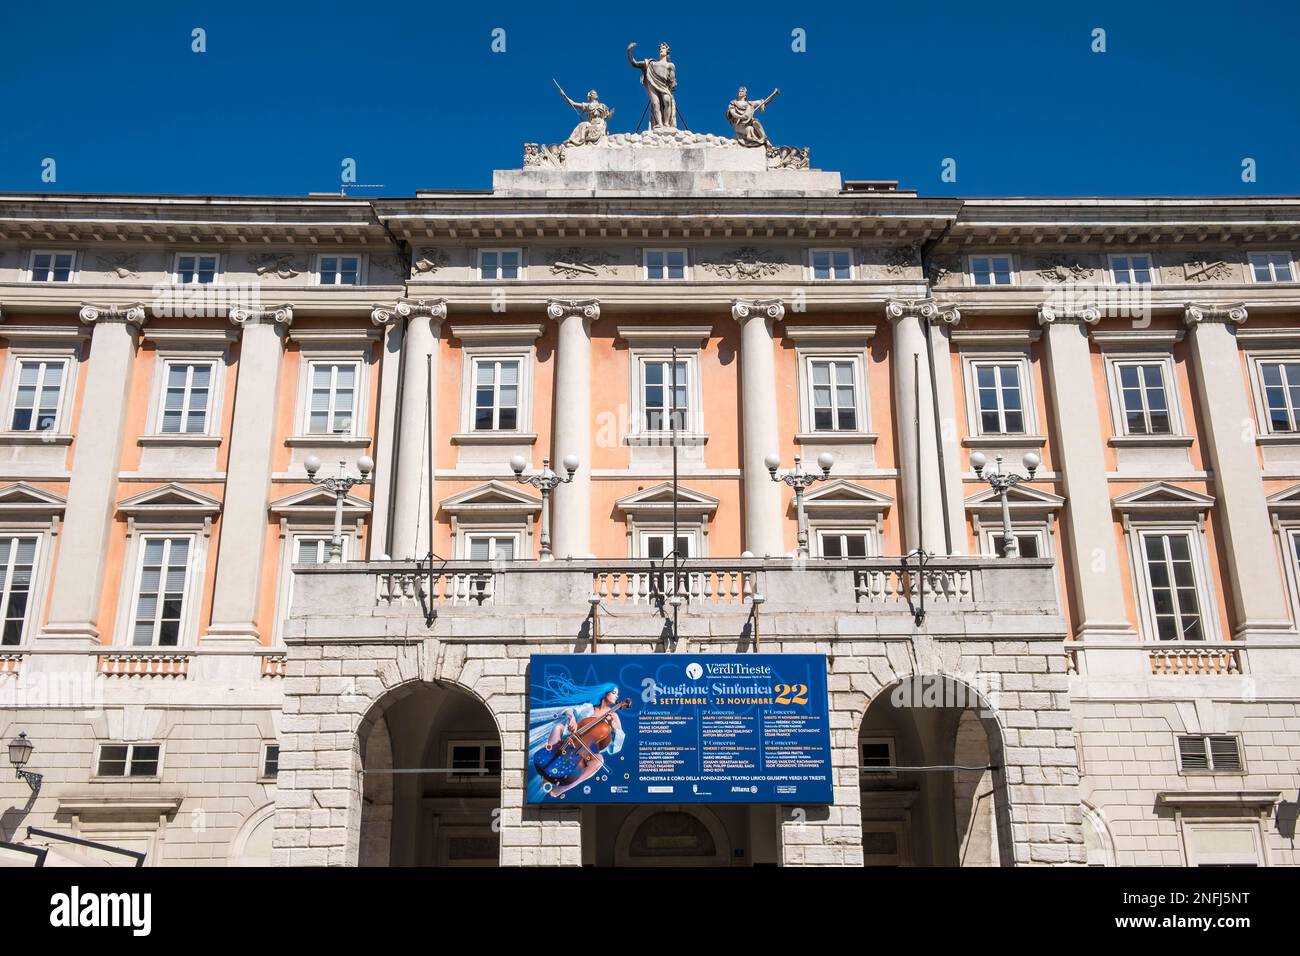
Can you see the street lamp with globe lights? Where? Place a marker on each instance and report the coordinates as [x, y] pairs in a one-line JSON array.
[[339, 486], [1002, 482], [798, 479], [545, 481]]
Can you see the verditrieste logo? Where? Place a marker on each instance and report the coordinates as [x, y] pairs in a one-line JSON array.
[[75, 909]]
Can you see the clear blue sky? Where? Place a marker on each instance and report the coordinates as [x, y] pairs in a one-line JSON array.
[[413, 92]]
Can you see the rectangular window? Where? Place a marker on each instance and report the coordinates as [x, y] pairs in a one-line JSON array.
[[1144, 398], [496, 394], [1215, 754], [196, 269], [665, 263], [1271, 267], [878, 752], [1131, 270], [185, 398], [491, 547], [315, 549], [842, 544], [160, 595], [333, 398], [53, 266], [1281, 381], [999, 398], [834, 395], [991, 270], [17, 569], [660, 399], [475, 759], [340, 270], [831, 263], [1171, 586], [128, 760], [1029, 544], [37, 395], [499, 263], [657, 545], [271, 761]]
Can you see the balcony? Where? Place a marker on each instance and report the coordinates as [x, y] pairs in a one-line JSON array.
[[977, 598]]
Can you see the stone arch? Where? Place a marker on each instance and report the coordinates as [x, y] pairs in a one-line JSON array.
[[936, 817], [644, 815], [1097, 838], [252, 843]]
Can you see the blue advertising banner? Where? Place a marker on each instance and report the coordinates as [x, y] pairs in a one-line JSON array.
[[678, 728]]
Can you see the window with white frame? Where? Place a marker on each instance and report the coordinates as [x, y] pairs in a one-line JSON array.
[[496, 394], [831, 263], [197, 268], [665, 264], [834, 393], [665, 394], [1030, 543], [991, 270], [186, 398], [657, 545], [1131, 270], [315, 548], [53, 266], [1271, 267], [339, 270], [38, 392], [1172, 582], [491, 546], [270, 760], [18, 554], [499, 263], [332, 397], [999, 397], [162, 589], [1279, 382], [129, 760], [1141, 386], [474, 758], [845, 543]]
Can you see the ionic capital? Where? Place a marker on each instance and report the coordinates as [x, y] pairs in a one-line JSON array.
[[279, 315], [432, 309], [566, 308], [1051, 315], [134, 314], [1232, 313], [926, 309], [742, 309]]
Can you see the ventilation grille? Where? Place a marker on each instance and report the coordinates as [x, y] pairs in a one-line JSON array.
[[1221, 754]]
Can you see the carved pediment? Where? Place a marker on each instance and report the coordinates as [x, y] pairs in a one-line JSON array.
[[843, 497], [657, 501], [316, 502], [171, 498], [1161, 497], [491, 498], [22, 498], [1019, 498]]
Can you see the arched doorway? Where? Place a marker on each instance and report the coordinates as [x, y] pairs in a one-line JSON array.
[[672, 836], [953, 813], [431, 783]]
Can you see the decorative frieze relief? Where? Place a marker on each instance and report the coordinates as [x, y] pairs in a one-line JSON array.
[[389, 262], [1063, 269], [944, 270], [573, 262], [123, 265], [1203, 270], [282, 265], [429, 260], [747, 263]]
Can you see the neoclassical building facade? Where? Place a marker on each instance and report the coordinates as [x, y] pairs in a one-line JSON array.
[[203, 684]]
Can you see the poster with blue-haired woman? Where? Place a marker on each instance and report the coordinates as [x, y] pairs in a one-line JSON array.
[[572, 729]]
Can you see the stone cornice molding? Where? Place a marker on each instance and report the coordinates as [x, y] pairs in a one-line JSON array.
[[134, 314], [432, 309], [565, 308], [1232, 313], [742, 309], [1051, 315], [280, 315], [926, 309]]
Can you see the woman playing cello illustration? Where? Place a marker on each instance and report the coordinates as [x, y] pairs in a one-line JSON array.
[[570, 740]]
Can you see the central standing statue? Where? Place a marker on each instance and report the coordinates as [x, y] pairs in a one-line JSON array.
[[659, 77]]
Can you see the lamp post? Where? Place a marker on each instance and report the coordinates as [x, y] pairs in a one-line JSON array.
[[1002, 482], [798, 479], [340, 485], [545, 481], [20, 751]]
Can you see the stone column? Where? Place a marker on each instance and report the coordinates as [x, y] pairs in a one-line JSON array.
[[927, 500], [237, 591], [418, 424], [1258, 591], [571, 527], [760, 435], [79, 576], [1094, 556], [386, 438]]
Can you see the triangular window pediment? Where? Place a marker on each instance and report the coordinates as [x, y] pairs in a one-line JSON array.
[[659, 499], [21, 496], [1162, 496], [492, 497], [171, 497]]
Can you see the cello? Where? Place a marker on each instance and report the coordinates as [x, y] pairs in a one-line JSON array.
[[577, 748]]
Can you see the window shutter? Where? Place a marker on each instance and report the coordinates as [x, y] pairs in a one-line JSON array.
[[1224, 753], [1191, 753]]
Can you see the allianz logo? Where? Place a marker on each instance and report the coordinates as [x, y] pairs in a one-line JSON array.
[[75, 909]]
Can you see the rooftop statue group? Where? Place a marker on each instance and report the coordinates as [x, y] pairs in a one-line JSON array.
[[659, 77]]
